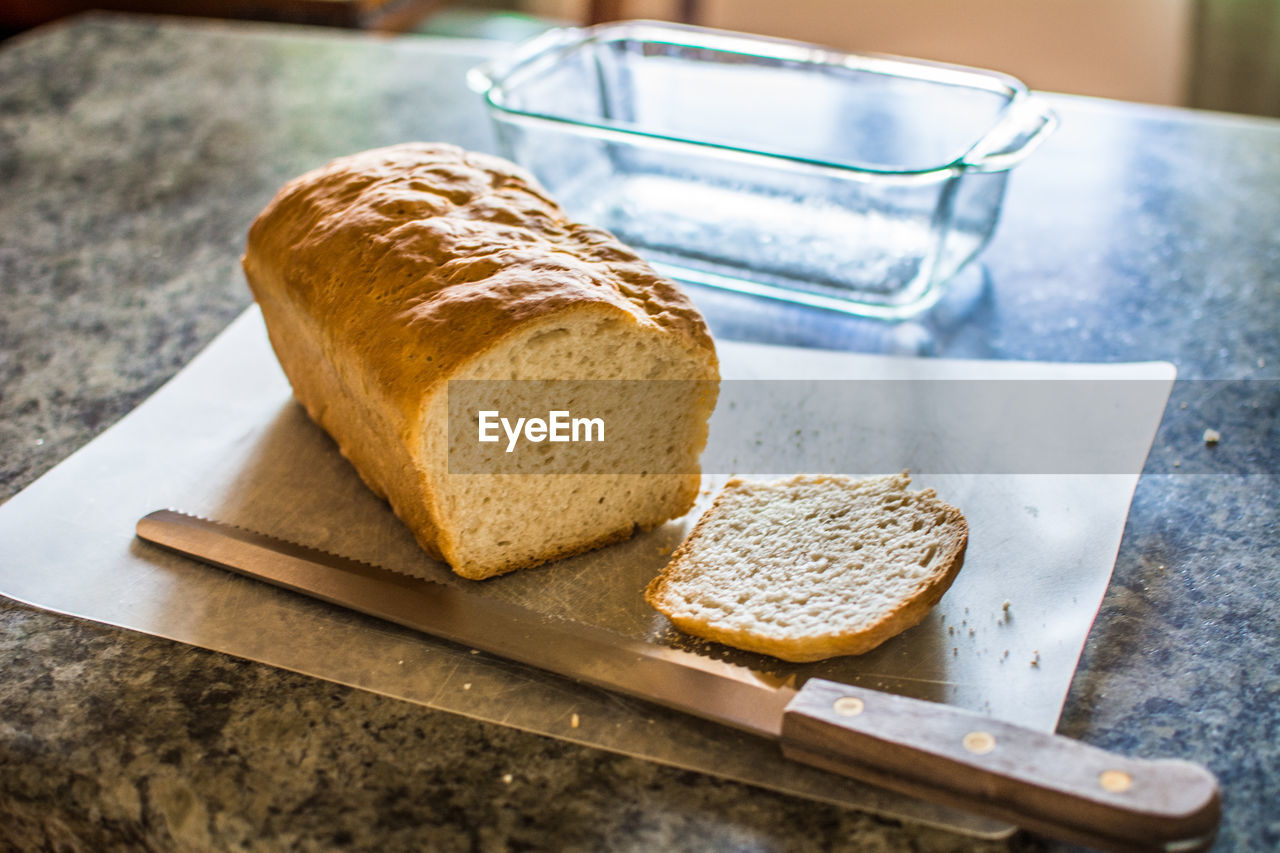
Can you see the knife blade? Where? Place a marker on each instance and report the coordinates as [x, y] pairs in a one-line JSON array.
[[1040, 781]]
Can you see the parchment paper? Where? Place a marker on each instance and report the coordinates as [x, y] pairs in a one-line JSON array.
[[224, 440]]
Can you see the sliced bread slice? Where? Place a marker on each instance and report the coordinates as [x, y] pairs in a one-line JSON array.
[[813, 566]]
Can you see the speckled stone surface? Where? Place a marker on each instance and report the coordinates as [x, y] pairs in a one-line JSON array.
[[133, 155]]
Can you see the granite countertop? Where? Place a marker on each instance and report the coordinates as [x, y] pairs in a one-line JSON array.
[[133, 153]]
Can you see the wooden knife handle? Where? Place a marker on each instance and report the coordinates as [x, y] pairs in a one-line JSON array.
[[1042, 782]]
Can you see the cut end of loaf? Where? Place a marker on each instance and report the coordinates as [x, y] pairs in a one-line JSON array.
[[813, 566], [556, 500]]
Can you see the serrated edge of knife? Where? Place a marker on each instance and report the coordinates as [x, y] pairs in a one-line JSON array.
[[226, 525]]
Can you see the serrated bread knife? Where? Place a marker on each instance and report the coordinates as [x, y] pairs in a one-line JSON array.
[[1043, 782]]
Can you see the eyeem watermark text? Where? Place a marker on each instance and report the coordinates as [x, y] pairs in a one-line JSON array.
[[558, 426]]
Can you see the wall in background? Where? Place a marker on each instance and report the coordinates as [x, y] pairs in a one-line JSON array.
[[1137, 50]]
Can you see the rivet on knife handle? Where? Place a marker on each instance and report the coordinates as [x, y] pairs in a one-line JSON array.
[[1043, 782]]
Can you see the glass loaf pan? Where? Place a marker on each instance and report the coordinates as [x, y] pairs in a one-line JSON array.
[[851, 182]]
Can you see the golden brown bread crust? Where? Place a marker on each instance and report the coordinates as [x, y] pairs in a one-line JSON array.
[[804, 649], [382, 274]]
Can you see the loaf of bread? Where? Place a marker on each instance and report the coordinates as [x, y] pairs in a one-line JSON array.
[[813, 566], [384, 275]]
